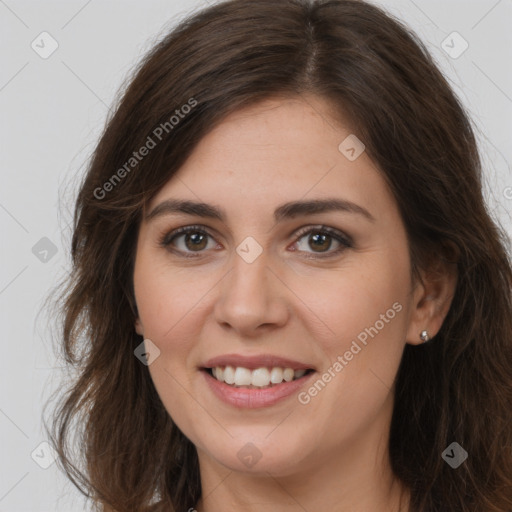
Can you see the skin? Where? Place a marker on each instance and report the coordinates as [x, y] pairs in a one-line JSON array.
[[331, 453]]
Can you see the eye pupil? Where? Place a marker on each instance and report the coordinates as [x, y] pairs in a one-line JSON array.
[[197, 239], [322, 239]]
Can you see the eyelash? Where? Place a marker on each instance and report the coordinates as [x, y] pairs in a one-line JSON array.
[[345, 242]]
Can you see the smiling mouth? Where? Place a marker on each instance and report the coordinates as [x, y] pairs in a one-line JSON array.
[[259, 378]]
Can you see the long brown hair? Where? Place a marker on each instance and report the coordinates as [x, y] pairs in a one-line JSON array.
[[378, 74]]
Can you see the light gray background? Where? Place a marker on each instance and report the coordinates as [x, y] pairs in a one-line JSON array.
[[52, 112]]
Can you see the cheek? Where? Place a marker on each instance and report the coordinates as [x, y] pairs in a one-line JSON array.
[[341, 304], [171, 304], [165, 296], [168, 301], [365, 310], [366, 313]]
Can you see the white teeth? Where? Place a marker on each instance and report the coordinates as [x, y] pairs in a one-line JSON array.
[[288, 374], [243, 376], [229, 375], [276, 375], [260, 377]]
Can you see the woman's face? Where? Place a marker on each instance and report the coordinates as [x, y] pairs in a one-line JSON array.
[[257, 278]]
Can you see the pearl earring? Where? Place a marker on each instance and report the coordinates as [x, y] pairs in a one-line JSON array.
[[424, 336]]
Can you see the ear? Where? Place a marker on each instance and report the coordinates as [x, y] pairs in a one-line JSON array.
[[138, 327], [432, 298]]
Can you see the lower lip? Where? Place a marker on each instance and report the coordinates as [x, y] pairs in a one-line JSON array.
[[254, 398]]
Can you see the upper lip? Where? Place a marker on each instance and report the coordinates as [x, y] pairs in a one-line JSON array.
[[253, 362]]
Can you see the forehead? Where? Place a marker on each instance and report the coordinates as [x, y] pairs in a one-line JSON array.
[[273, 152]]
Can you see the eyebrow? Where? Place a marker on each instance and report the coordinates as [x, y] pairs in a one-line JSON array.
[[285, 211]]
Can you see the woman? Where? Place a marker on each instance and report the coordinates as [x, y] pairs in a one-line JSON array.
[[288, 293]]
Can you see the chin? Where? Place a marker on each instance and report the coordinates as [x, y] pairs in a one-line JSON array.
[[279, 456]]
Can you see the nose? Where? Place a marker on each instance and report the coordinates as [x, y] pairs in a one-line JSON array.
[[252, 298]]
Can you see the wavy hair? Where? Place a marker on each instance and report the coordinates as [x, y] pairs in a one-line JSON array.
[[375, 72]]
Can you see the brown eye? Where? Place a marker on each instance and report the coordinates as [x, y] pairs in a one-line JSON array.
[[189, 239], [320, 241], [196, 241]]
